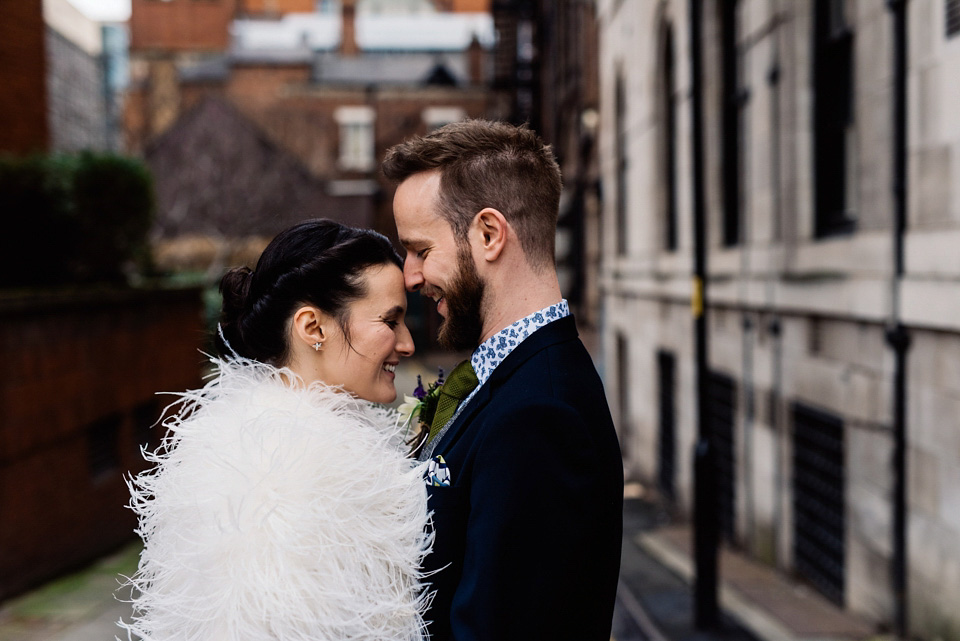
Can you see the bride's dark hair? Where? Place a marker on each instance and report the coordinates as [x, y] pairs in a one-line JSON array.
[[317, 262]]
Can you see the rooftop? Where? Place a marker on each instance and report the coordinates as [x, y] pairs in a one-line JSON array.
[[375, 32]]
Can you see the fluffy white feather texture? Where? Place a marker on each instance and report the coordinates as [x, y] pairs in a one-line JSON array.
[[281, 513]]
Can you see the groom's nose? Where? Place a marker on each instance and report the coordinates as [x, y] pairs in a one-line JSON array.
[[412, 276]]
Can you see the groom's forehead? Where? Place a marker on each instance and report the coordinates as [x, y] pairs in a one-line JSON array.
[[425, 228]]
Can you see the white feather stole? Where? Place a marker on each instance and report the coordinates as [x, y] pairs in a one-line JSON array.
[[281, 513]]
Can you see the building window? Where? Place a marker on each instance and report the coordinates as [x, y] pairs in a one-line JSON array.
[[620, 142], [730, 109], [436, 117], [356, 138], [834, 127], [952, 17], [668, 138]]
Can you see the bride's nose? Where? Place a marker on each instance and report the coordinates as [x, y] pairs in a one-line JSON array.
[[405, 345]]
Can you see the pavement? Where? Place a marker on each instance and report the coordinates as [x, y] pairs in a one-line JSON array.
[[654, 599], [758, 603], [82, 606]]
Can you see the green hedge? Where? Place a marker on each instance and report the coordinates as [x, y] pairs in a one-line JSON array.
[[73, 219]]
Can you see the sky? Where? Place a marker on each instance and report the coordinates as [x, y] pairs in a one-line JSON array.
[[104, 10]]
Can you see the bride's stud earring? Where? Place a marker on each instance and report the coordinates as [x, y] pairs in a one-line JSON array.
[[317, 346]]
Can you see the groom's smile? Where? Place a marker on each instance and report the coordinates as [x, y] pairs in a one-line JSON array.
[[438, 297]]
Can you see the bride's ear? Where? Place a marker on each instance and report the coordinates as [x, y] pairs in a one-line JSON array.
[[308, 327]]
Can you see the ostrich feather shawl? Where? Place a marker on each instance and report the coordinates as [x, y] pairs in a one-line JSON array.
[[280, 512]]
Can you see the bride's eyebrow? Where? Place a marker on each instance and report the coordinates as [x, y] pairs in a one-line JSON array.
[[393, 311]]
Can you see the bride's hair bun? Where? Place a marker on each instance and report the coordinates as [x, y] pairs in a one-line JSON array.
[[318, 262], [235, 290]]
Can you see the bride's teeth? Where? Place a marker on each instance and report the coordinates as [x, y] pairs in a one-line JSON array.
[[389, 367]]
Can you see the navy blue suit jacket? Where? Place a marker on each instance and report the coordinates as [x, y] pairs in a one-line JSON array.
[[528, 533]]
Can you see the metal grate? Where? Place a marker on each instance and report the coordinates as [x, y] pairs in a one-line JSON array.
[[952, 17], [722, 409], [818, 500], [666, 372]]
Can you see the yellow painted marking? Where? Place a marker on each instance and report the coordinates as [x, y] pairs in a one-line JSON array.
[[696, 302]]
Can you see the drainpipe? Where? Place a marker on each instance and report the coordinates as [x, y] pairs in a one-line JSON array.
[[898, 337], [705, 516], [773, 326]]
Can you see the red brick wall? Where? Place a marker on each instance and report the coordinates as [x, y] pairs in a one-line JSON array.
[[23, 101], [260, 85], [180, 25], [66, 364]]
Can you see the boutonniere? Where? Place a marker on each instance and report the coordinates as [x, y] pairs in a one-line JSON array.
[[416, 412]]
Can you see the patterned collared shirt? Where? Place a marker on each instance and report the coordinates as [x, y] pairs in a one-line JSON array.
[[491, 353]]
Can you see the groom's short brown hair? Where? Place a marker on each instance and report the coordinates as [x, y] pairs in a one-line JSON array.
[[483, 164]]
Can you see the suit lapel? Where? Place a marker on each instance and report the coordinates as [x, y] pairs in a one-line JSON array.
[[558, 331]]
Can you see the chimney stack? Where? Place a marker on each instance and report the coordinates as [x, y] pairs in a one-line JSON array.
[[475, 57], [348, 28]]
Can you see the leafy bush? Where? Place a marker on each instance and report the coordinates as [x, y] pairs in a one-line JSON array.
[[114, 205], [73, 219]]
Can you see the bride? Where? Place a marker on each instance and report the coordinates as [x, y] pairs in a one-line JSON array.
[[282, 506]]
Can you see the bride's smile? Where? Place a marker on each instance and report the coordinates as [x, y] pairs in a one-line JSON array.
[[360, 353]]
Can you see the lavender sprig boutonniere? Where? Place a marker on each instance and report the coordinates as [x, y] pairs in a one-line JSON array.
[[416, 412]]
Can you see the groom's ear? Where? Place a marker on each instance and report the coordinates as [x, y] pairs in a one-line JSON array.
[[308, 325], [492, 228]]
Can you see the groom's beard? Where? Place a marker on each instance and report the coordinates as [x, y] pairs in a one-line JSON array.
[[461, 328]]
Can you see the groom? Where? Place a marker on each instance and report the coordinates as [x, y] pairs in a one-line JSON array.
[[526, 480]]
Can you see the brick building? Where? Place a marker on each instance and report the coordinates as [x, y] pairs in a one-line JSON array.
[[22, 47], [807, 295], [58, 96], [162, 28], [334, 88]]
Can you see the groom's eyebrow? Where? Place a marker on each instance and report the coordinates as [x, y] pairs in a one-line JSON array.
[[410, 243]]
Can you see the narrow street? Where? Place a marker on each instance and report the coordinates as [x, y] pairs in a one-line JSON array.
[[654, 601]]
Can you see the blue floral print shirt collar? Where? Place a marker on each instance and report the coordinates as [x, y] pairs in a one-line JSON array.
[[492, 351]]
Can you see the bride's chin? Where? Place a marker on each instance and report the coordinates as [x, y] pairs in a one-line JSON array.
[[384, 396]]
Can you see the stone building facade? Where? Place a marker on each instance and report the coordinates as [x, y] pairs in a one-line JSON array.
[[802, 288]]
